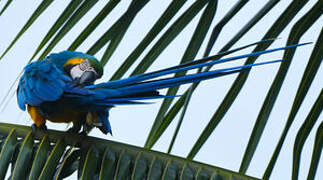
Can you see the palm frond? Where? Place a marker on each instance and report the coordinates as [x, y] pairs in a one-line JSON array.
[[317, 150], [308, 76], [5, 7], [40, 9], [296, 33], [94, 158]]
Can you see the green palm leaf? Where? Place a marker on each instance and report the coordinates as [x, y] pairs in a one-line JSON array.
[[296, 33], [273, 32], [317, 150], [303, 133], [40, 9], [5, 7], [102, 158]]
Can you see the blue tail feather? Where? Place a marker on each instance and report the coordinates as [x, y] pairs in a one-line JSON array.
[[103, 117], [139, 98], [104, 103], [184, 67], [175, 81]]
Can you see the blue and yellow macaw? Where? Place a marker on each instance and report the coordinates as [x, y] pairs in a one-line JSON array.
[[60, 88]]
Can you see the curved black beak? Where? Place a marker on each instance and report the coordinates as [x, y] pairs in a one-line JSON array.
[[87, 78]]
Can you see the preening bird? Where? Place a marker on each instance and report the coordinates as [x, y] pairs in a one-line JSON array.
[[60, 88]]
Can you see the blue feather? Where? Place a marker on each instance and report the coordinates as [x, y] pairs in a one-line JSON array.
[[183, 67], [103, 117], [41, 82], [103, 103], [139, 98], [175, 81]]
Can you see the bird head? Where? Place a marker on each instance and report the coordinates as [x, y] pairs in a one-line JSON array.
[[83, 70]]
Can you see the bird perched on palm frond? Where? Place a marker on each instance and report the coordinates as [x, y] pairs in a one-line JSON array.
[[60, 88]]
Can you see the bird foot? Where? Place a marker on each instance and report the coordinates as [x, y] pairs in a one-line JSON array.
[[76, 129], [35, 128], [87, 128], [83, 133], [73, 130]]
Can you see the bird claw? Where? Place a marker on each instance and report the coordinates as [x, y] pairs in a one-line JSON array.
[[35, 128], [86, 129], [43, 127], [73, 130], [83, 133]]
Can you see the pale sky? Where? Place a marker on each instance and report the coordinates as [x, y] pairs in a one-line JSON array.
[[131, 124]]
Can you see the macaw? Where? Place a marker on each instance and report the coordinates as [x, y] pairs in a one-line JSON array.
[[60, 88]]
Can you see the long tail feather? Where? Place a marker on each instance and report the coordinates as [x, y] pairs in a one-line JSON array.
[[184, 67], [103, 103], [139, 98], [217, 56], [175, 81]]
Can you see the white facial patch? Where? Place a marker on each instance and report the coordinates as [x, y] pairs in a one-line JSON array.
[[77, 71]]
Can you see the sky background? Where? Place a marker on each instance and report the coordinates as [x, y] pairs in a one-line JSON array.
[[131, 124]]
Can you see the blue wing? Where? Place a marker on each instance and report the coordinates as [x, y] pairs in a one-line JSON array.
[[42, 81]]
